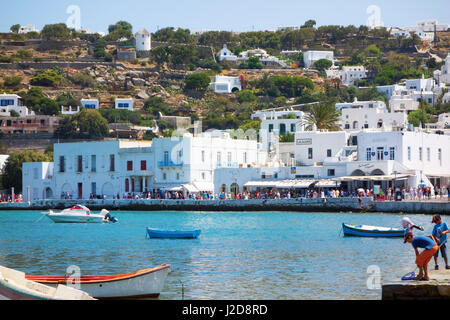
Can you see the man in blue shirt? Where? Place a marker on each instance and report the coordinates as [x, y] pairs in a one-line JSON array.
[[428, 243], [440, 231]]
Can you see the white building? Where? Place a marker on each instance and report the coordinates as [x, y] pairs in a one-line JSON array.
[[389, 90], [143, 40], [13, 102], [124, 104], [226, 54], [264, 58], [115, 168], [348, 75], [70, 110], [361, 115], [443, 76], [399, 32], [310, 57], [224, 84], [27, 28], [90, 103]]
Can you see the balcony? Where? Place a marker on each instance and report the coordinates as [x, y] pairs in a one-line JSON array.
[[169, 164]]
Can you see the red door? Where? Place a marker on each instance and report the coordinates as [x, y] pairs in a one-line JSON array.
[[80, 190]]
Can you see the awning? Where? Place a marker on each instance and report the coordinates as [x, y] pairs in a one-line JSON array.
[[280, 184], [261, 184], [190, 188], [327, 184], [204, 186], [179, 188], [374, 178], [438, 175]]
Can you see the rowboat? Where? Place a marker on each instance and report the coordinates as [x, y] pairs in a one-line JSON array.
[[80, 214], [145, 283], [15, 286], [174, 234], [371, 231]]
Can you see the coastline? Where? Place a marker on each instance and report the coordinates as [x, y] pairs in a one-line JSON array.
[[292, 205]]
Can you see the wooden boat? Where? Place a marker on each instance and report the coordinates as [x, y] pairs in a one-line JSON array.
[[146, 283], [371, 231], [174, 234], [80, 214], [15, 286]]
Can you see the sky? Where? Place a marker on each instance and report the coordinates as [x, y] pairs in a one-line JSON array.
[[229, 15]]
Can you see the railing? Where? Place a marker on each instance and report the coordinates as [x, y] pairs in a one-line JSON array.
[[168, 164]]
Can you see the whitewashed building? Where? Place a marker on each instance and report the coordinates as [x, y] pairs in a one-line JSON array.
[[13, 102], [27, 28], [443, 75], [70, 110], [226, 54], [143, 40], [90, 103], [124, 103], [225, 84], [114, 168], [310, 57]]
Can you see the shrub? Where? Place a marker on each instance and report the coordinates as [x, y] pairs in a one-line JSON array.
[[197, 81], [47, 79]]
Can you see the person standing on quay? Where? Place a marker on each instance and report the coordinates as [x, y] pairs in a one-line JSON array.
[[440, 231], [428, 243]]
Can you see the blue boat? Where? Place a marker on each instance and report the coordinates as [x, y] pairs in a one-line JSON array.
[[173, 234], [371, 231]]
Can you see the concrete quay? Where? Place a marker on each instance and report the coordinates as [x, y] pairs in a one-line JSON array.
[[437, 288], [293, 205]]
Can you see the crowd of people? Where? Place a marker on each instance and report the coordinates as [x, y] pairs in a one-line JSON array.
[[11, 198]]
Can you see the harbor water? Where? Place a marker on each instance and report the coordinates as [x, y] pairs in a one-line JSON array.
[[239, 255]]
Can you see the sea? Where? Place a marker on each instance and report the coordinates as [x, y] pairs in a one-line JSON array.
[[238, 256]]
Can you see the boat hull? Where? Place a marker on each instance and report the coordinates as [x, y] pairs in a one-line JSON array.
[[59, 218], [163, 234], [147, 283], [359, 231]]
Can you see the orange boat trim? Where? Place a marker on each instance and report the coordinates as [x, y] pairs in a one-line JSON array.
[[96, 279]]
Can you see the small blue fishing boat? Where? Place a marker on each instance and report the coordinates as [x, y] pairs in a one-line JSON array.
[[371, 231], [173, 234]]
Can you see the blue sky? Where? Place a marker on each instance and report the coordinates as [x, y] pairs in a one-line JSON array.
[[231, 15]]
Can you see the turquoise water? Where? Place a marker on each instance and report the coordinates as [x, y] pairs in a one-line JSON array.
[[239, 255]]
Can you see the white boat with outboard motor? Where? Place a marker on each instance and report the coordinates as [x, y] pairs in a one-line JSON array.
[[80, 214]]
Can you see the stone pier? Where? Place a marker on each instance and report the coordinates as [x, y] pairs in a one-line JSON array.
[[437, 288]]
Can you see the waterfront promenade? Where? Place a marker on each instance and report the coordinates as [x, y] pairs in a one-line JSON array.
[[343, 204]]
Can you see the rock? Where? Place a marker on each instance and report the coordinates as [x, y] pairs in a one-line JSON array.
[[139, 82], [142, 95]]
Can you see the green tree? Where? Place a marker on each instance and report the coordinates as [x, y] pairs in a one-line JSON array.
[[120, 25], [415, 118], [47, 79], [56, 32], [157, 104], [160, 55], [197, 81], [15, 28], [323, 117], [13, 167], [86, 124], [323, 64], [12, 81]]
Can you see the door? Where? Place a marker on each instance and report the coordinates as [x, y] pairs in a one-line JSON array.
[[80, 190]]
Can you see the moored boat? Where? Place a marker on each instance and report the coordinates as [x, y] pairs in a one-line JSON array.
[[15, 286], [145, 283], [371, 231], [174, 234], [80, 214]]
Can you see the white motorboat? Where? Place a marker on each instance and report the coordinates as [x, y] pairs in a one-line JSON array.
[[14, 286], [80, 214]]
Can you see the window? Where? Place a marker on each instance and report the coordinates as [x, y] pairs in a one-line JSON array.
[[409, 153], [310, 153], [391, 153], [203, 156], [164, 176], [94, 188], [380, 151], [93, 163], [111, 163], [80, 164], [420, 153], [282, 128], [270, 127], [143, 165], [369, 154], [203, 176], [328, 152], [293, 127], [331, 172], [35, 173], [127, 185], [244, 158], [440, 156], [62, 164], [166, 156], [130, 165], [219, 158], [428, 154], [229, 157], [178, 176]]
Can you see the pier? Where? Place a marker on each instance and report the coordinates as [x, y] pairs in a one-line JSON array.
[[293, 205], [437, 288]]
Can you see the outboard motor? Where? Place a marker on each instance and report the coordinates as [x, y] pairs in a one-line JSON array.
[[409, 225], [108, 217]]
